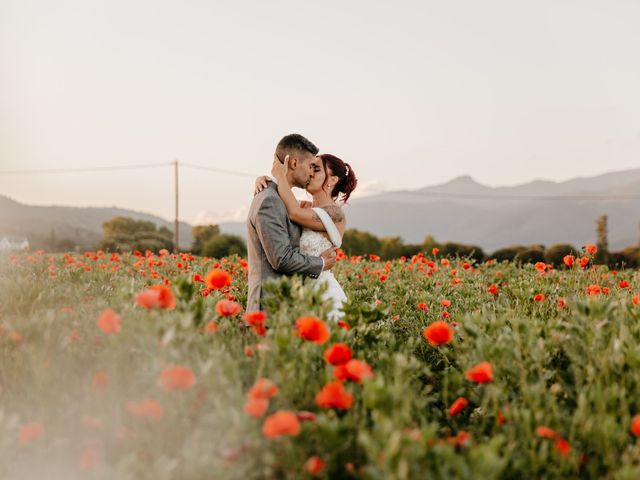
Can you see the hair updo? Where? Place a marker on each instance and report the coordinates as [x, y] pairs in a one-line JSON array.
[[347, 180]]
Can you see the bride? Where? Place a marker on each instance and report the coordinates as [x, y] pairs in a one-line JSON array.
[[323, 220]]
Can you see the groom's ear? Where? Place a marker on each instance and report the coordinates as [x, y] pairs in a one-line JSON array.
[[293, 162]]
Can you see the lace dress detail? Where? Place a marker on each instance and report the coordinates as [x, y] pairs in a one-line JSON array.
[[314, 243]]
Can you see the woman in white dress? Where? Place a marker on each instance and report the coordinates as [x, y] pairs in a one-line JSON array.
[[323, 220]]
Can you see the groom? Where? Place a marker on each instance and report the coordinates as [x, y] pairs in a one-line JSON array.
[[272, 239]]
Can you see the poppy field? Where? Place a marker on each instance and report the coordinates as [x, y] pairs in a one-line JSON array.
[[146, 365]]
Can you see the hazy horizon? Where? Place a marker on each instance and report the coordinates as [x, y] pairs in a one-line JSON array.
[[411, 94]]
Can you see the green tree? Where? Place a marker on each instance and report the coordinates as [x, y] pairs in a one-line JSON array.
[[201, 235], [555, 253], [357, 242], [126, 234], [223, 245]]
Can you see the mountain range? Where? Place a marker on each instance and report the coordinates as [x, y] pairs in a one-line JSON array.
[[461, 210]]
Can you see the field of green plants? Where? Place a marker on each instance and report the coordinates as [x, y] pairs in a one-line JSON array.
[[143, 365]]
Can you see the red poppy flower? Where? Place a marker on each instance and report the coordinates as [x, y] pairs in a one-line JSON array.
[[538, 297], [227, 308], [445, 303], [562, 446], [423, 307], [457, 406], [545, 432], [591, 248], [438, 333], [357, 370], [109, 322], [480, 373], [493, 289], [211, 328], [337, 354], [177, 378], [635, 425], [635, 299], [256, 407], [343, 325], [314, 465], [623, 284], [594, 290], [218, 279], [281, 423], [568, 260], [30, 433], [198, 278], [583, 261], [540, 266], [147, 409], [312, 329], [333, 395], [256, 320], [156, 296], [263, 388]]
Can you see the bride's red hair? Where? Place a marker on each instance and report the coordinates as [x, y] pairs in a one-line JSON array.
[[347, 180]]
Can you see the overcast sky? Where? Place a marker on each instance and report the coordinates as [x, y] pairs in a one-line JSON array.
[[410, 93]]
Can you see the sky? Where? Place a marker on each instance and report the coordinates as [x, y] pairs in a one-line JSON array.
[[411, 93]]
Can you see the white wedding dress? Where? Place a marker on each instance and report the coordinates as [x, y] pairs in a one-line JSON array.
[[314, 243]]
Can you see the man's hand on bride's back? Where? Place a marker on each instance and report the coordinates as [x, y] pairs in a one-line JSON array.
[[261, 184], [329, 256]]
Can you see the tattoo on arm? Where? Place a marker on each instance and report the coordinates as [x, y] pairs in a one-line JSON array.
[[334, 212]]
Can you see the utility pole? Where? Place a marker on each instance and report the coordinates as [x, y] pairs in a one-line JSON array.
[[176, 236]]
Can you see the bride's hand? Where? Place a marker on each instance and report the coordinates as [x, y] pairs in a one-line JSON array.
[[279, 170], [261, 184]]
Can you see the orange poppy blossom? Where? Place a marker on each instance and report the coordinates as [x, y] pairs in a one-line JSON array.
[[635, 425], [457, 406], [109, 322], [218, 279], [635, 299], [591, 249], [354, 370], [312, 329], [445, 303], [211, 328], [314, 465], [30, 432], [539, 297], [177, 378], [337, 354], [148, 408], [593, 290], [256, 320], [545, 432], [228, 308], [263, 388], [480, 373], [568, 260], [583, 261], [438, 333], [333, 395], [157, 296], [493, 289], [281, 423], [256, 407]]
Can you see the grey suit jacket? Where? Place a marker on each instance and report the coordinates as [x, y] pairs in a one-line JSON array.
[[273, 243]]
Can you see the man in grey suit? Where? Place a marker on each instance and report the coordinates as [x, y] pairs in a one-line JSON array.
[[273, 240]]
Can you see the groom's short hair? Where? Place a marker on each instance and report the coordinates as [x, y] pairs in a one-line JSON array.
[[295, 142]]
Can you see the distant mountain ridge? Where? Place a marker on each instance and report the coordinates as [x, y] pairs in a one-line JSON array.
[[461, 210]]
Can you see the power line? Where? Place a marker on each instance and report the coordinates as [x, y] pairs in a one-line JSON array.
[[472, 196], [82, 169], [218, 170]]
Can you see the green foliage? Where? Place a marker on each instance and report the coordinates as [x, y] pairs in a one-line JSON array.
[[201, 235], [574, 369], [224, 245], [555, 254], [357, 242], [125, 234], [533, 254]]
